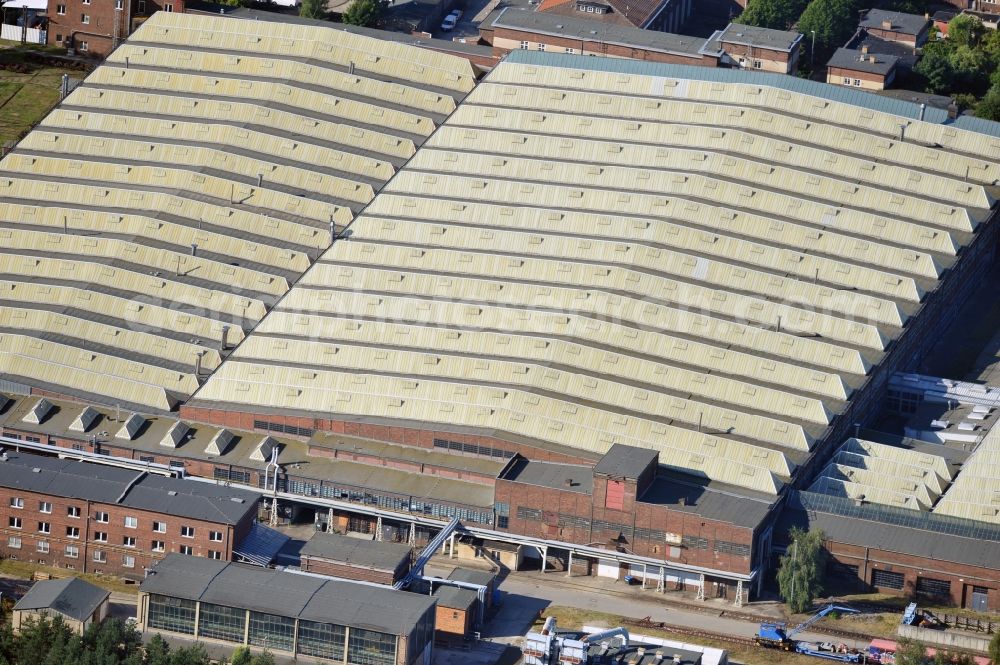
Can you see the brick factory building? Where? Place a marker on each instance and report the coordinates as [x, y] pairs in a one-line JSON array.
[[99, 519], [614, 312], [290, 615], [355, 559]]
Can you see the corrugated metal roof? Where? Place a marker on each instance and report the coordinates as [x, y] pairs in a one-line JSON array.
[[718, 75], [202, 168]]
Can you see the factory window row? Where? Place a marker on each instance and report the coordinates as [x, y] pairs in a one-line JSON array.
[[281, 428], [472, 449], [932, 588], [650, 534], [395, 503], [887, 579], [694, 542], [724, 547], [533, 514], [231, 475], [270, 631]]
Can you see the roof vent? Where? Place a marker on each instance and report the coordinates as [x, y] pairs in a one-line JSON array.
[[36, 470], [172, 493], [568, 482], [236, 499]]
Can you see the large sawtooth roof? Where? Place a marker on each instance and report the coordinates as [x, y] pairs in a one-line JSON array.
[[170, 200], [589, 253]]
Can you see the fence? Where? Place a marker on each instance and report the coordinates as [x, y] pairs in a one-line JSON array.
[[14, 32]]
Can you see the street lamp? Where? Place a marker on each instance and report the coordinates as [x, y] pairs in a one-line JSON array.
[[812, 51]]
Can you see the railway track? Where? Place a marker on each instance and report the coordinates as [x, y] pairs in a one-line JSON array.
[[648, 623]]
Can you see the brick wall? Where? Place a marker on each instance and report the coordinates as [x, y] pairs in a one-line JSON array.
[[89, 25], [114, 549], [635, 515], [902, 38], [771, 60], [452, 622], [505, 40], [347, 571], [869, 81], [962, 577], [410, 436], [402, 465]]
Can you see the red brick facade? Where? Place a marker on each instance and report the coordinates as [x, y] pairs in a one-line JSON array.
[[452, 622], [410, 436], [96, 539], [402, 465], [92, 26], [701, 535], [321, 566], [502, 40], [963, 579]]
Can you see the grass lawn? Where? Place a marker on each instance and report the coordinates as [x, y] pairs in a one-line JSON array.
[[26, 98], [25, 571]]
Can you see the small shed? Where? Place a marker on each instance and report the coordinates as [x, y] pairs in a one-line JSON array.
[[79, 603], [455, 615]]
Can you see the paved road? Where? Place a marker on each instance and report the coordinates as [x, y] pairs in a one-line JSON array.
[[524, 597]]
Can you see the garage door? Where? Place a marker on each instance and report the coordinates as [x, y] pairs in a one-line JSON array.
[[607, 568], [886, 579], [980, 600]]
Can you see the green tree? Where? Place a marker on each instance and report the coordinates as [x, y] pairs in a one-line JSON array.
[[776, 14], [965, 30], [157, 651], [832, 20], [364, 12], [193, 655], [263, 658], [802, 569], [993, 650], [313, 9], [910, 652], [935, 68]]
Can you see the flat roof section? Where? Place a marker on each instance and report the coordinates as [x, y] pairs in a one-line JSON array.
[[625, 462], [196, 445], [566, 477], [708, 499], [751, 35], [455, 598], [387, 451], [287, 594], [356, 552]]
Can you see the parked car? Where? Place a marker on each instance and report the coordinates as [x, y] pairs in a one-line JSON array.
[[448, 24]]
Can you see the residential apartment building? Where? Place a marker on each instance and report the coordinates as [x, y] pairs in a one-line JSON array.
[[908, 29], [102, 519], [861, 69], [96, 27]]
